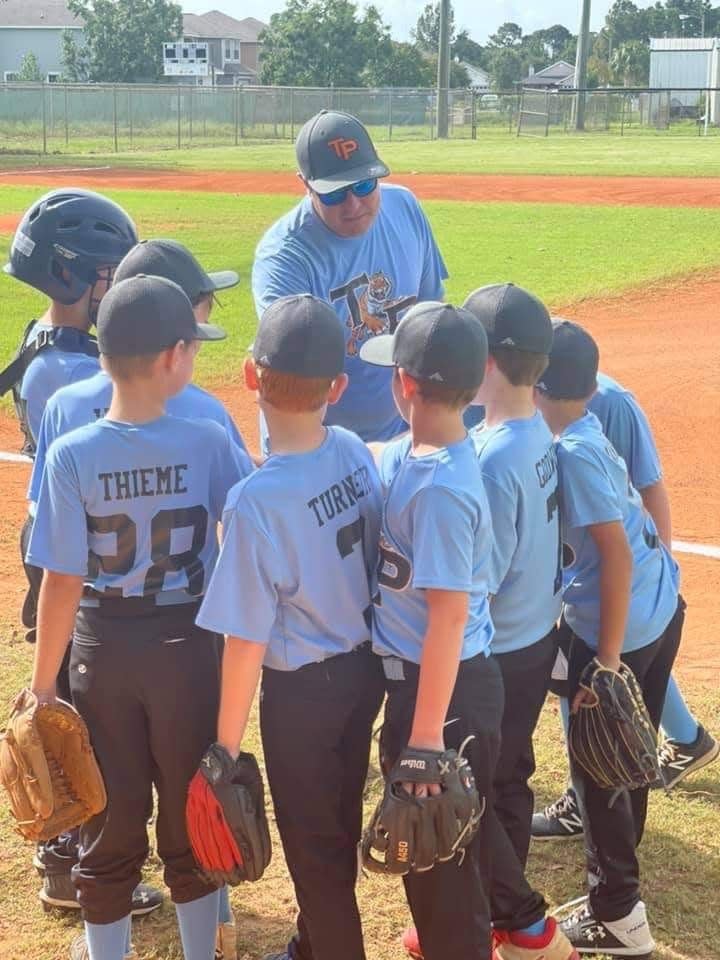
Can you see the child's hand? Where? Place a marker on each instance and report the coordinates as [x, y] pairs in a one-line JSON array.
[[45, 694]]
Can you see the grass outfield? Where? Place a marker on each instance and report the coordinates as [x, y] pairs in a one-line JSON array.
[[679, 862], [564, 253], [651, 154]]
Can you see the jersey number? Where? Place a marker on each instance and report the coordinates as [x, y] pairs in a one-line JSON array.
[[162, 560], [553, 505], [394, 571]]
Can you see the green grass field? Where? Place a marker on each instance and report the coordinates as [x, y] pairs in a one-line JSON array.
[[565, 254], [650, 154]]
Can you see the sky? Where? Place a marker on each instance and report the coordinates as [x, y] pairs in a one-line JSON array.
[[479, 17]]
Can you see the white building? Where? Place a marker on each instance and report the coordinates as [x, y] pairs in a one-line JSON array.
[[692, 63]]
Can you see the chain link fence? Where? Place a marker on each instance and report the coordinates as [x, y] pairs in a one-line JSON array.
[[77, 118]]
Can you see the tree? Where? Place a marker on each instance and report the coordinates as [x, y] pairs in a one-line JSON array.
[[506, 68], [399, 65], [631, 63], [427, 30], [123, 38], [465, 48], [323, 42], [555, 38], [74, 59], [29, 69], [507, 35]]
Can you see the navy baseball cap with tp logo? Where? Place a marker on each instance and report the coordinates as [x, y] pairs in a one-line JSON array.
[[512, 317], [574, 358], [334, 150], [145, 315], [170, 259], [434, 341], [300, 335]]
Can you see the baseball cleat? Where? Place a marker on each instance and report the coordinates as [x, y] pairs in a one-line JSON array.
[[679, 760], [627, 937], [79, 950], [560, 820], [552, 944], [58, 892]]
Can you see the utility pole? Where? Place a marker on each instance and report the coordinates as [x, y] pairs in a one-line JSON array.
[[443, 74], [581, 64]]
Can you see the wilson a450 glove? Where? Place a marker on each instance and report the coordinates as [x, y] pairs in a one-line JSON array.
[[410, 833], [225, 817], [612, 738], [48, 768]]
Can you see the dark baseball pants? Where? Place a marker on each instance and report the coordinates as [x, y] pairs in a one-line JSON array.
[[148, 689], [450, 903], [316, 725], [526, 679], [614, 828]]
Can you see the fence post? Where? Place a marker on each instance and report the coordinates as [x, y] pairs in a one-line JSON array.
[[390, 116], [67, 130], [179, 128], [473, 115], [44, 118], [130, 115], [547, 112], [241, 110], [622, 116], [292, 113], [115, 118], [190, 111]]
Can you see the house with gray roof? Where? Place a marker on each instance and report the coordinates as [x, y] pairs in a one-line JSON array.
[[558, 76], [233, 45], [34, 26]]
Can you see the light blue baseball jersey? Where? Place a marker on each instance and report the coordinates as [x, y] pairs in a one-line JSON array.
[[133, 508], [51, 369], [594, 488], [82, 403], [519, 472], [299, 554], [436, 534], [625, 425], [370, 280]]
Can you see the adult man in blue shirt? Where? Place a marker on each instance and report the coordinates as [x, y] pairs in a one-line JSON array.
[[365, 248]]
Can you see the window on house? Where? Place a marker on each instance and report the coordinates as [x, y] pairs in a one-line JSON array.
[[236, 52], [53, 78], [10, 76], [227, 50]]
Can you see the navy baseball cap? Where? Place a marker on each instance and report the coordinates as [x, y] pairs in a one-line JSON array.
[[574, 359], [512, 317], [434, 341], [170, 259], [144, 315], [334, 150], [300, 335]]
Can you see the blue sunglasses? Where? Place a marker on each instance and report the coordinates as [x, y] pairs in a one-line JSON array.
[[363, 188]]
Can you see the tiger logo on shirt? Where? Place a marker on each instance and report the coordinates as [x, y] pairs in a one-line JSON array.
[[371, 309]]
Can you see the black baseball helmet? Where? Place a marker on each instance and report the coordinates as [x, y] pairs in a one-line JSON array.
[[64, 237]]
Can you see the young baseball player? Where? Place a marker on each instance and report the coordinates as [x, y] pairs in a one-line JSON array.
[[689, 746], [292, 590], [81, 403], [432, 624], [519, 472], [126, 533], [620, 602]]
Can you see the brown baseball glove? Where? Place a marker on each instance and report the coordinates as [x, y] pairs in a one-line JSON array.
[[48, 768]]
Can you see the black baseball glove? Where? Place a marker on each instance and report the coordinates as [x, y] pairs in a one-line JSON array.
[[225, 817], [612, 738], [412, 833]]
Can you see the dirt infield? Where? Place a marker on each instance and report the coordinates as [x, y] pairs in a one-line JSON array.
[[633, 191], [647, 343]]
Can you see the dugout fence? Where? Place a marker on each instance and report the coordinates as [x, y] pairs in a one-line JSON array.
[[85, 118]]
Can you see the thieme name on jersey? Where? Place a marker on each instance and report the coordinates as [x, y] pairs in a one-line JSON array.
[[341, 496], [144, 482]]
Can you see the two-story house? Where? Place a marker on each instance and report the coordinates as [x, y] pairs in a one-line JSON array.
[[233, 45]]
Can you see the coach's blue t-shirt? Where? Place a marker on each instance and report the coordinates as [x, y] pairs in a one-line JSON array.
[[520, 477], [298, 559], [82, 403], [370, 280], [435, 534], [51, 369], [594, 488], [625, 425], [133, 508]]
